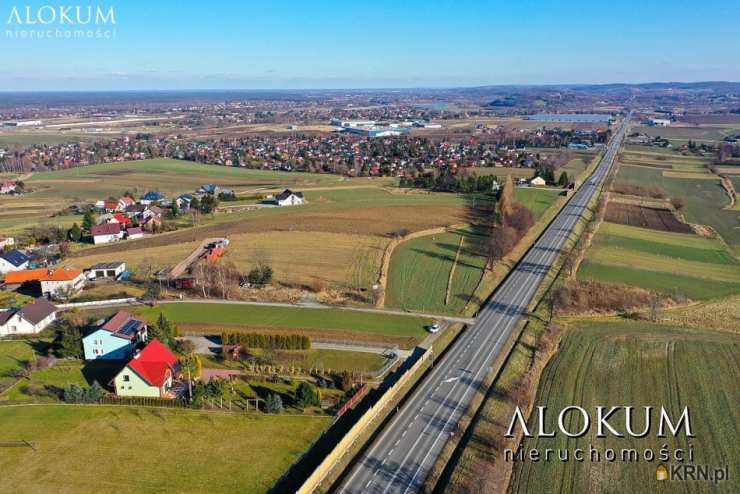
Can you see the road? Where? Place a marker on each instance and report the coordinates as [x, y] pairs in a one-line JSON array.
[[402, 455]]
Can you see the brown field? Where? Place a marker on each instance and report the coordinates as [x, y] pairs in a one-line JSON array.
[[375, 221], [634, 215], [297, 257]]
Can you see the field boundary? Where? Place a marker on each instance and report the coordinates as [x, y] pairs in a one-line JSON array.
[[452, 270]]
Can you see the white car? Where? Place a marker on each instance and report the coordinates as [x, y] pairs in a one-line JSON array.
[[434, 328]]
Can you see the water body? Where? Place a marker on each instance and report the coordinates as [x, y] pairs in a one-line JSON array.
[[571, 117]]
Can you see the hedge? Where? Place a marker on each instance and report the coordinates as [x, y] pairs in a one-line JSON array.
[[275, 341]]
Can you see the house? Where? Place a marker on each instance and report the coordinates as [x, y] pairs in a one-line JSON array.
[[150, 373], [106, 233], [7, 186], [6, 242], [13, 260], [289, 198], [116, 338], [120, 218], [151, 197], [107, 270], [31, 319], [208, 189], [134, 233], [111, 205], [50, 282], [538, 182], [183, 201]]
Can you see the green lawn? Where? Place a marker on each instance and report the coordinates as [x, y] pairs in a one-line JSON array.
[[336, 360], [321, 320], [115, 449], [637, 364], [13, 356], [670, 263]]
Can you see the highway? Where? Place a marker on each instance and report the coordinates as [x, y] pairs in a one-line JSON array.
[[403, 453]]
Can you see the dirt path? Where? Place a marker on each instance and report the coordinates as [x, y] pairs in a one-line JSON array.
[[452, 270], [730, 189]]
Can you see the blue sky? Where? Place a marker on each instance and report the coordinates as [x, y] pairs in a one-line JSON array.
[[165, 44]]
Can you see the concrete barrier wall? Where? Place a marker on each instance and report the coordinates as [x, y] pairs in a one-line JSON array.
[[346, 443]]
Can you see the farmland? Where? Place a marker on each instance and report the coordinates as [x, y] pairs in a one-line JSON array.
[[421, 269], [646, 217], [637, 364], [671, 263], [323, 323], [197, 446], [704, 197]]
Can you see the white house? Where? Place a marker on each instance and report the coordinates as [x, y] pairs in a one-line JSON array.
[[6, 242], [538, 182], [31, 319], [289, 198], [13, 260], [50, 282], [660, 122], [106, 233], [107, 270]]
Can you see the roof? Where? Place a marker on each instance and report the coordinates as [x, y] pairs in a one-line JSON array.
[[41, 274], [106, 229], [38, 310], [153, 363], [135, 230], [287, 193], [108, 265], [15, 257], [153, 196], [126, 200], [121, 218], [123, 325], [5, 315], [108, 204]]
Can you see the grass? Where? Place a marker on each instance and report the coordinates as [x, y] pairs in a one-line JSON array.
[[671, 263], [657, 366], [311, 359], [327, 322], [13, 356], [245, 453]]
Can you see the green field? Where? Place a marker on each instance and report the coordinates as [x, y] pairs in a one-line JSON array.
[[115, 449], [637, 364], [13, 355], [704, 199], [671, 263], [420, 271], [420, 268], [326, 322]]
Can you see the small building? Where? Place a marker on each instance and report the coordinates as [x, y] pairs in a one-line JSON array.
[[660, 122], [49, 282], [104, 270], [106, 233], [538, 182], [289, 198], [134, 233], [208, 189], [116, 338], [13, 260], [31, 319], [150, 373]]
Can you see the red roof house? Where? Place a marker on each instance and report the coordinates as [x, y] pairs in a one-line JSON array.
[[149, 373]]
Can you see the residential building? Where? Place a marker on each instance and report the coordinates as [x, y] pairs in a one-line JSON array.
[[289, 198], [7, 186], [13, 260], [116, 338], [151, 197], [538, 182], [31, 319], [48, 282], [6, 242], [134, 233], [106, 233], [150, 373]]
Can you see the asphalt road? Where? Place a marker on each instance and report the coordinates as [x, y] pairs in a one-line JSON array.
[[402, 455]]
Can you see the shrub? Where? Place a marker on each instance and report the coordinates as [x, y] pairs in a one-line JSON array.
[[273, 341], [307, 395], [273, 403]]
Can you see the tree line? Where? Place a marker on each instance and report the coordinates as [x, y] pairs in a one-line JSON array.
[[273, 341]]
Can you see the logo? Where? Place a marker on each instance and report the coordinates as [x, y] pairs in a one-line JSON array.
[[661, 473], [61, 22]]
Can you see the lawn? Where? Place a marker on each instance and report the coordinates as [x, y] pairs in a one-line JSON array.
[[87, 449], [336, 360], [13, 355], [637, 364], [671, 263], [327, 323]]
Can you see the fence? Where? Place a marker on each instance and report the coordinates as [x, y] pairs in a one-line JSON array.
[[348, 440], [94, 303], [354, 399], [141, 401]]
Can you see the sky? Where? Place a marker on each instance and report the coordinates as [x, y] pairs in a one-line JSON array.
[[274, 44]]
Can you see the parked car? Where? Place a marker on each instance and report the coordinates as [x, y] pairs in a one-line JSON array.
[[434, 327]]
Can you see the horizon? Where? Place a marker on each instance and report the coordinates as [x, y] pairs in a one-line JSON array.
[[334, 45]]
